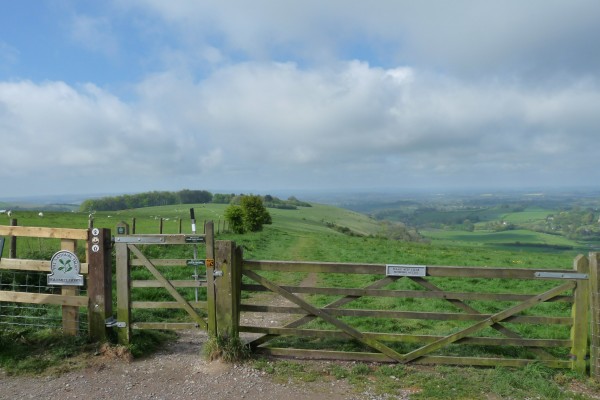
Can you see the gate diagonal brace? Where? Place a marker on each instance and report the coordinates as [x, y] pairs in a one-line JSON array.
[[335, 304], [500, 316], [324, 315], [465, 307]]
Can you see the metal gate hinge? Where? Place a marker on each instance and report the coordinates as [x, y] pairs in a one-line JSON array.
[[112, 322]]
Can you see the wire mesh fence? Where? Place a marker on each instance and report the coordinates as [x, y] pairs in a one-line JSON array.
[[35, 315]]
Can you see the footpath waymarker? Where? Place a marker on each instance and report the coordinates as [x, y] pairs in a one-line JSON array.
[[65, 267]]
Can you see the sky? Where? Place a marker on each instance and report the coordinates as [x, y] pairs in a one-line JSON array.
[[127, 96]]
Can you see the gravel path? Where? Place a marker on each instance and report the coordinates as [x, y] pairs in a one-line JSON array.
[[177, 372]]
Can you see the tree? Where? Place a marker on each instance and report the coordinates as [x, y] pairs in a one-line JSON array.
[[235, 216], [255, 213]]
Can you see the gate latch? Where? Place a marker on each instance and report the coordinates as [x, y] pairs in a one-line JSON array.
[[112, 322], [217, 274]]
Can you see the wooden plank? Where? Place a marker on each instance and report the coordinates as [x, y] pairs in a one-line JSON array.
[[56, 233], [324, 315], [405, 338], [580, 313], [438, 316], [163, 262], [202, 305], [165, 325], [324, 355], [306, 266], [502, 315], [40, 298], [490, 362], [379, 269], [32, 265], [377, 357], [167, 285], [175, 283], [415, 294]]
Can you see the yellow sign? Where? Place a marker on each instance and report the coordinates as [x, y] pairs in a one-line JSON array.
[[210, 262]]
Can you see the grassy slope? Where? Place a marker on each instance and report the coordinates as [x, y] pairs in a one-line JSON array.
[[302, 234]]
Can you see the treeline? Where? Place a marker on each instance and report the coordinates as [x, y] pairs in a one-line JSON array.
[[185, 196]]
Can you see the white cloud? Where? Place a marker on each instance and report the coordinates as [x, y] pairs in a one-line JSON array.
[[536, 38], [274, 124]]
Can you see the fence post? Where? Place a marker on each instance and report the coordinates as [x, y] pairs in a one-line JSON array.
[[595, 311], [99, 282], [123, 285], [70, 314], [580, 314], [12, 249], [209, 228], [160, 226], [227, 300]]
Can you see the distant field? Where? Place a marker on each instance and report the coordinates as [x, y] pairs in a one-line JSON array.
[[514, 238], [531, 214]]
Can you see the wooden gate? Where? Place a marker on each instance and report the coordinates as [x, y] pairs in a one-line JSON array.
[[495, 322], [149, 284]]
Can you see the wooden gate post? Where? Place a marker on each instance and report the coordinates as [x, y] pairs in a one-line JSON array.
[[12, 250], [227, 288], [123, 286], [99, 282], [580, 313], [70, 314], [210, 278], [595, 311]]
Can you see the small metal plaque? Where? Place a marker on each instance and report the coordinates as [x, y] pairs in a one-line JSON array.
[[194, 239], [210, 262], [194, 263], [65, 267], [405, 270], [120, 230]]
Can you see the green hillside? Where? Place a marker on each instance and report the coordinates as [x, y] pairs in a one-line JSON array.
[[312, 233]]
